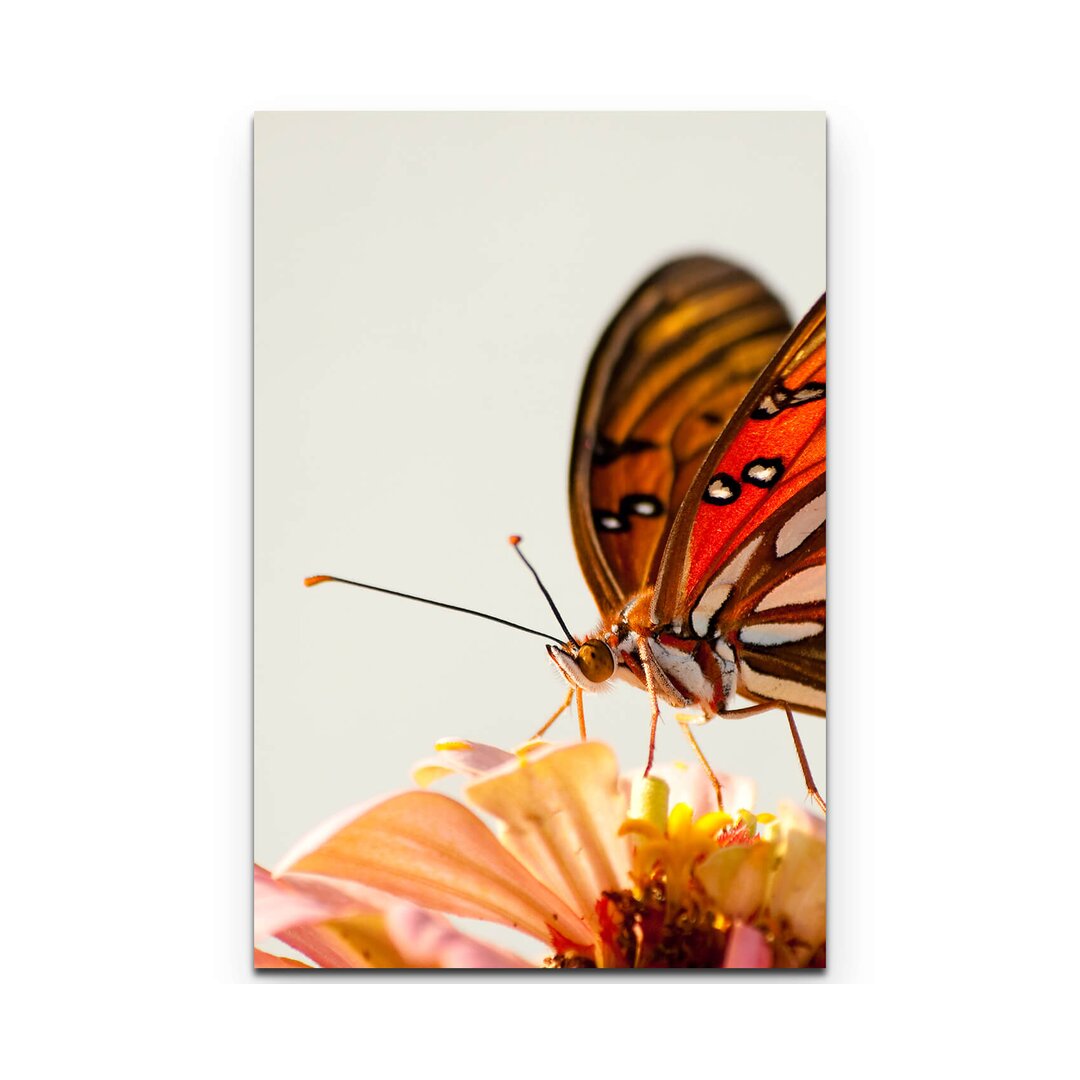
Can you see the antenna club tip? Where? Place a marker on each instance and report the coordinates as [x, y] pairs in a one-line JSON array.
[[515, 540], [318, 579]]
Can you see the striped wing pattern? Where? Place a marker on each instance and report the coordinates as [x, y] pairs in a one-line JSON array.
[[669, 372], [745, 559]]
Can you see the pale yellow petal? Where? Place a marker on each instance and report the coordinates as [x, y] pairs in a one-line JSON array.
[[562, 811], [797, 898], [736, 879], [366, 942]]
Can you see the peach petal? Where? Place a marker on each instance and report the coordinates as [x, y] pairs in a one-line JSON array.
[[427, 940], [459, 756], [562, 810], [269, 960], [428, 849], [747, 948]]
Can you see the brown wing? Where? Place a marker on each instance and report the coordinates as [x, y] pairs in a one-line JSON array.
[[745, 558], [669, 371]]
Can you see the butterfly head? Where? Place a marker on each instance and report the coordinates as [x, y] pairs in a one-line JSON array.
[[587, 666]]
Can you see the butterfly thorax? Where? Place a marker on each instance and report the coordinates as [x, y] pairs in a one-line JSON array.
[[685, 670]]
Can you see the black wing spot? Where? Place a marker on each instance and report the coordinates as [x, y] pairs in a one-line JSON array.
[[606, 450], [640, 505], [780, 398], [763, 472], [721, 490]]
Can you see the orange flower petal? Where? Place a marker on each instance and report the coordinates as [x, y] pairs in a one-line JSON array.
[[269, 960], [562, 811], [431, 850]]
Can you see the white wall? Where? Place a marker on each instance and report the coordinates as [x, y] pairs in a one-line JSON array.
[[429, 287]]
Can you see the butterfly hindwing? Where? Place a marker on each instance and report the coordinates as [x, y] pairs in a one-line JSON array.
[[670, 370], [745, 557]]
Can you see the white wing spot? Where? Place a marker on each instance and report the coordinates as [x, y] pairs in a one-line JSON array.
[[770, 686], [709, 604], [800, 525], [762, 473], [779, 633], [805, 587], [712, 600]]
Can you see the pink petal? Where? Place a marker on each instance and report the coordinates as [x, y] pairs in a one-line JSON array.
[[690, 784], [562, 810], [468, 758], [740, 792], [429, 849], [747, 948], [428, 940], [293, 909], [800, 819], [279, 907]]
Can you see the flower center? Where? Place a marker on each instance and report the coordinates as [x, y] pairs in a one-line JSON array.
[[642, 929]]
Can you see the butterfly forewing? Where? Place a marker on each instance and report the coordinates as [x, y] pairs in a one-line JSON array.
[[669, 372]]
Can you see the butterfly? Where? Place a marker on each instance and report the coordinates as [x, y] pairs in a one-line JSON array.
[[697, 500], [697, 504]]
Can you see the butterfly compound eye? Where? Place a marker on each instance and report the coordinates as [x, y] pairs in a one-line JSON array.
[[596, 662]]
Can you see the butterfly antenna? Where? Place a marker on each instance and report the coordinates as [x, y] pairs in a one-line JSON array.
[[515, 542], [318, 579]]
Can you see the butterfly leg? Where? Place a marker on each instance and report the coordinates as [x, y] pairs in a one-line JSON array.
[[650, 686], [811, 787], [580, 695], [751, 710], [713, 779], [558, 712]]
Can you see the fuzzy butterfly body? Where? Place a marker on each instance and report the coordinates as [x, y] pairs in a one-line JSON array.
[[697, 493]]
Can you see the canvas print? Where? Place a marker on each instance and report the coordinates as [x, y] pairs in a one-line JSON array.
[[606, 331]]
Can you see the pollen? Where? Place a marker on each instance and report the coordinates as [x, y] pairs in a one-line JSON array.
[[453, 744]]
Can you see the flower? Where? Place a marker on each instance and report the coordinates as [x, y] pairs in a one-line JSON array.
[[339, 926], [603, 876]]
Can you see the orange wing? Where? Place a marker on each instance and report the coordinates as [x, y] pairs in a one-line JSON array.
[[745, 558], [668, 373]]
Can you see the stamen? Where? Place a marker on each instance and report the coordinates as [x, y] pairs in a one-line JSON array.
[[649, 800]]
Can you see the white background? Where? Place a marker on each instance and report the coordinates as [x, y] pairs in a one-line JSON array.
[[125, 442], [428, 288]]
